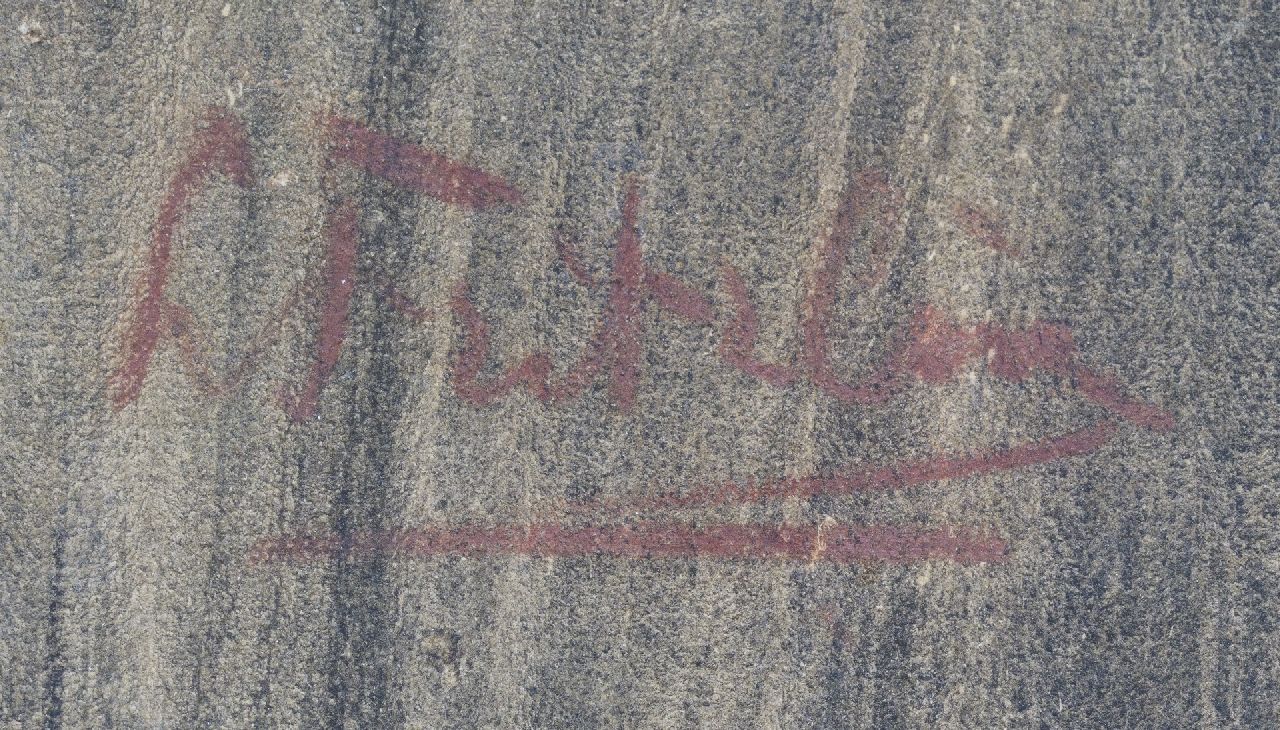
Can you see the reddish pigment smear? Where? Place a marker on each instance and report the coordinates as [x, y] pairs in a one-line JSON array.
[[616, 347], [401, 303], [650, 540], [738, 340], [193, 347], [857, 479], [815, 353], [572, 260], [406, 165], [937, 349], [221, 147], [342, 234], [865, 191], [934, 350], [983, 227], [416, 168]]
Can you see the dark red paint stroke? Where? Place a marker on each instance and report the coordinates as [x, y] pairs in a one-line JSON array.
[[1015, 354], [815, 353], [532, 372], [865, 191], [622, 323], [666, 290], [983, 227], [221, 147], [568, 254], [651, 540], [416, 168], [616, 346], [871, 198], [738, 340], [1105, 391], [403, 304], [342, 233], [855, 480], [675, 295], [937, 349], [192, 344]]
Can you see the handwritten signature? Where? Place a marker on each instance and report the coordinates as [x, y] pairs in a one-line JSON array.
[[933, 349]]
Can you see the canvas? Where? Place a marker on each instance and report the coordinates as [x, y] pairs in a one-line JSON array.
[[639, 365]]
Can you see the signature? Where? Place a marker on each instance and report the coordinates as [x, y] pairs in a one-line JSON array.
[[935, 348]]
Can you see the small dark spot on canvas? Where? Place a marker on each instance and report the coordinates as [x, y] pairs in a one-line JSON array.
[[441, 649]]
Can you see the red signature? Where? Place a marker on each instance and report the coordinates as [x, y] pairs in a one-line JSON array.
[[934, 349]]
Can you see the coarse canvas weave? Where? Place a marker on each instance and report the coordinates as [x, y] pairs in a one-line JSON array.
[[771, 364]]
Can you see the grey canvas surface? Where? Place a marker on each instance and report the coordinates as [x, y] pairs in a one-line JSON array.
[[265, 266]]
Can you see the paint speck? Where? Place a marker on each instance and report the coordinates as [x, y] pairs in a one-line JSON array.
[[951, 81], [281, 179], [922, 578], [819, 542], [31, 31], [1061, 105], [226, 10]]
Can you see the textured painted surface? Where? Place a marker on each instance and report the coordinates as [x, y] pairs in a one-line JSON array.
[[887, 364]]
